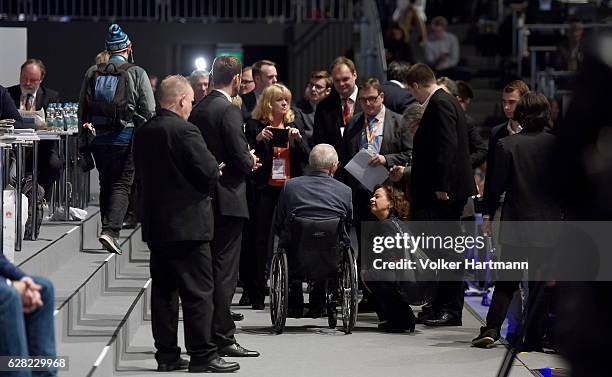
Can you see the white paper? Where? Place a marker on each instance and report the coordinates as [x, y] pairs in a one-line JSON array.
[[367, 175], [33, 119]]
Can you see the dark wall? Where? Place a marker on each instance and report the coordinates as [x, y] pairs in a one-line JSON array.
[[68, 49]]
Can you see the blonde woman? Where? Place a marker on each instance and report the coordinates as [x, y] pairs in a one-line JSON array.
[[277, 137]]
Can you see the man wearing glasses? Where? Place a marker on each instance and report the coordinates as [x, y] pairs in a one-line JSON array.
[[318, 88], [30, 95]]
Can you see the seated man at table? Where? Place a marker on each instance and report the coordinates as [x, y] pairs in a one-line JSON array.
[[317, 196], [31, 95], [26, 316]]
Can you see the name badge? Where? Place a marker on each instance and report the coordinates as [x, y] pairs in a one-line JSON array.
[[278, 168]]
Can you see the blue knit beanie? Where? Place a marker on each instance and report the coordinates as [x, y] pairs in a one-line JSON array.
[[116, 39]]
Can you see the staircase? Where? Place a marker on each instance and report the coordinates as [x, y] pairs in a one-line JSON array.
[[100, 297]]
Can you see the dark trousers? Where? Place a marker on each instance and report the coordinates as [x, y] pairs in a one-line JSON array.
[[391, 306], [225, 262], [450, 290], [116, 169], [265, 204], [539, 295], [48, 164], [248, 259], [182, 269]]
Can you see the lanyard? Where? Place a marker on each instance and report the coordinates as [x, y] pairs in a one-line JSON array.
[[371, 135]]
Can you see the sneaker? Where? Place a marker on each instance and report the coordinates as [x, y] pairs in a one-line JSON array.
[[487, 337], [110, 243]]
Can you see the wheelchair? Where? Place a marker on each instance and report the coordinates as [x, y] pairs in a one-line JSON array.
[[317, 253]]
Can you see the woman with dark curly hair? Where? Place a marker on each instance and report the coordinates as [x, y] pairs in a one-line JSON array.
[[389, 206]]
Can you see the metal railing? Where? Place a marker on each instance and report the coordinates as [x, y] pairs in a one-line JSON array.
[[521, 37], [269, 11]]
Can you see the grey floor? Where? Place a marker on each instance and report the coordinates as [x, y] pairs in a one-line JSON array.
[[309, 348]]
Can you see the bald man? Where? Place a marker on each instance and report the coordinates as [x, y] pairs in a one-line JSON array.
[[176, 172]]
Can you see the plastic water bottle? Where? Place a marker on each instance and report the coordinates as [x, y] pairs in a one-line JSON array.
[[51, 116], [59, 117]]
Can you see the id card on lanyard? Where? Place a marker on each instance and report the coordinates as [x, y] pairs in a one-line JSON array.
[[279, 165]]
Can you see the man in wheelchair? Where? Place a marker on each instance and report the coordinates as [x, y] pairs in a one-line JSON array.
[[314, 196]]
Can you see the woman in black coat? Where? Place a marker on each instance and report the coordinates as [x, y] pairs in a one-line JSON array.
[[278, 142], [524, 171]]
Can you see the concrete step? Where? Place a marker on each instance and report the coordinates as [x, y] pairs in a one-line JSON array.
[[97, 309]]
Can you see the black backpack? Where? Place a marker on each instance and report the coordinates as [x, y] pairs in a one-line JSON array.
[[106, 104]]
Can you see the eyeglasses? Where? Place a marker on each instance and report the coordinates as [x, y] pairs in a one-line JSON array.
[[316, 87], [369, 99], [246, 82]]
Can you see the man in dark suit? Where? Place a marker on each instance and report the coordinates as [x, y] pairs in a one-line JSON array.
[[397, 97], [379, 130], [511, 96], [221, 125], [333, 113], [441, 178], [30, 95], [264, 74], [176, 172], [319, 87]]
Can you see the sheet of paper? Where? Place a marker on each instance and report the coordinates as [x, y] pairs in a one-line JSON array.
[[367, 175], [33, 119]]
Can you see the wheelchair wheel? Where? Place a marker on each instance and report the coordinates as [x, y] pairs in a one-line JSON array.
[[279, 291], [348, 290]]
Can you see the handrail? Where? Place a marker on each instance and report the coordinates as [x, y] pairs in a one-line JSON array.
[[269, 11]]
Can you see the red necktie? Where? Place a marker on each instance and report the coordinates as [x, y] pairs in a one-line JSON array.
[[347, 110]]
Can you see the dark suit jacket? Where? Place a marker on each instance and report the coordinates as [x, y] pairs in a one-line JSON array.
[[305, 111], [328, 120], [524, 170], [314, 196], [497, 133], [44, 96], [176, 173], [441, 156], [9, 270], [397, 99], [221, 125], [249, 101], [478, 147], [298, 152], [7, 107], [396, 144]]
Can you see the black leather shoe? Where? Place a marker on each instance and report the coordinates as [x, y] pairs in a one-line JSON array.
[[391, 327], [486, 337], [216, 365], [421, 318], [236, 350], [258, 306], [443, 319], [175, 365], [237, 316]]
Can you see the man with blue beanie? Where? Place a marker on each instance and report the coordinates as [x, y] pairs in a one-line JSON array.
[[115, 98]]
